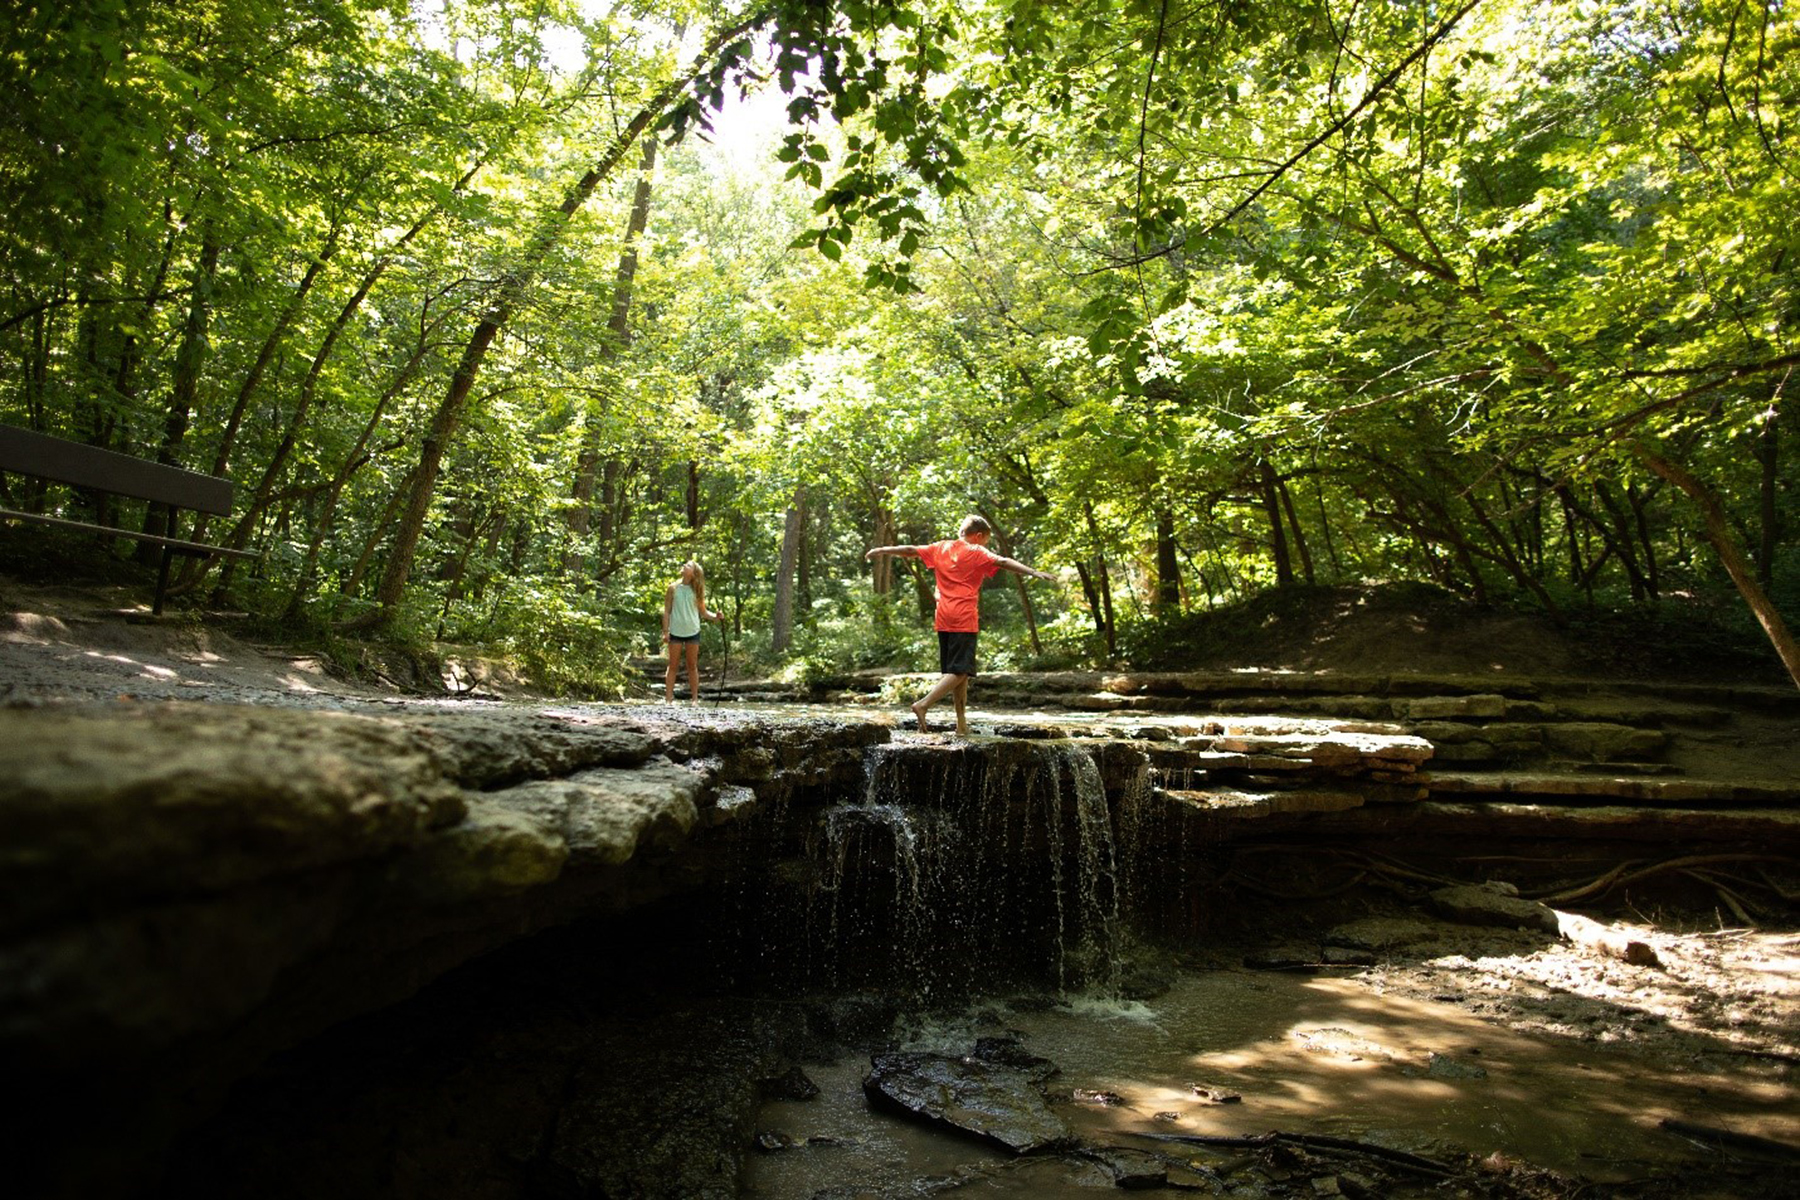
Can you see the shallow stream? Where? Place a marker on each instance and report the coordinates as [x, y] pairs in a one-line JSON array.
[[1303, 1054]]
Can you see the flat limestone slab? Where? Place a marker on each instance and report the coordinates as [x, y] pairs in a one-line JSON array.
[[1777, 830], [1637, 788], [1232, 802]]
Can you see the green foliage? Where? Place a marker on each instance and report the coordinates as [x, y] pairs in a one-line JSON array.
[[1197, 303], [562, 648]]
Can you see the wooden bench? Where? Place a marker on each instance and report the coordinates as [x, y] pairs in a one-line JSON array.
[[26, 452]]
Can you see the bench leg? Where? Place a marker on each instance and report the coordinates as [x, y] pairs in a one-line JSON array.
[[162, 580]]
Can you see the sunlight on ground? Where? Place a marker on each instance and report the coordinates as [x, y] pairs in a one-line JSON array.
[[1240, 1053], [1329, 1055], [146, 670]]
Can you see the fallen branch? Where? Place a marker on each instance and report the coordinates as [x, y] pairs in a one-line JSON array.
[[1312, 1141], [1726, 1137], [1590, 934]]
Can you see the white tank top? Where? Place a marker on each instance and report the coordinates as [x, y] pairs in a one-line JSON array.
[[684, 614]]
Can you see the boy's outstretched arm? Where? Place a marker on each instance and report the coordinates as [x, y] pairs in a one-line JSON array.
[[1019, 568], [891, 551]]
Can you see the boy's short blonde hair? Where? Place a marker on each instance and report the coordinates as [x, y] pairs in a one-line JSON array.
[[974, 524]]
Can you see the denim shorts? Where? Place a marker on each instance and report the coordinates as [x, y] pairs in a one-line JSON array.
[[683, 639]]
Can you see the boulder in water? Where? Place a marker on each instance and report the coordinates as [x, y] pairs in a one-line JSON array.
[[995, 1102]]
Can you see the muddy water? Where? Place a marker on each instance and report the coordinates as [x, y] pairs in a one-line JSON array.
[[1311, 1055]]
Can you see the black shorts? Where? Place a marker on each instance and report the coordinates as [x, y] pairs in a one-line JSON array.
[[956, 653]]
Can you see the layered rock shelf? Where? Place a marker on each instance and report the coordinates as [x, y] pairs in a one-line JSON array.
[[1711, 761], [191, 887]]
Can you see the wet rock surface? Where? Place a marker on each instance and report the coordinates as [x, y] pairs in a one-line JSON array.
[[979, 1096]]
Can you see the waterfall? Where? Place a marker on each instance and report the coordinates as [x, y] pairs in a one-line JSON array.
[[970, 865]]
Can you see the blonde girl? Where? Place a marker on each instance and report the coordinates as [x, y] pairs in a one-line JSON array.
[[684, 607]]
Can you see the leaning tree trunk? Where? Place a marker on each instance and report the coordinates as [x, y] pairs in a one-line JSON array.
[[513, 286], [618, 323], [886, 532], [290, 437], [247, 390], [1300, 546], [357, 457], [1724, 543], [309, 386]]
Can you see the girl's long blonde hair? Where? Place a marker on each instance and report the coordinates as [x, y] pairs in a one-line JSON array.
[[698, 583]]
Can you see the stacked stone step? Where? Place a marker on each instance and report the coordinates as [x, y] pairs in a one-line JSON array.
[[1297, 743], [1580, 751], [1263, 768]]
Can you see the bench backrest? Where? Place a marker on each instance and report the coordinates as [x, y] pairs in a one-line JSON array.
[[27, 452]]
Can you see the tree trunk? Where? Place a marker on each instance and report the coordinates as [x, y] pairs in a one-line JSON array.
[[1718, 532], [266, 353], [1769, 523], [1572, 536], [1300, 546], [184, 388], [1168, 564], [1005, 546], [290, 437], [130, 357], [353, 462], [1620, 539], [803, 596], [1284, 568], [240, 533], [885, 535], [782, 623], [1104, 584], [377, 532], [1640, 515], [195, 567]]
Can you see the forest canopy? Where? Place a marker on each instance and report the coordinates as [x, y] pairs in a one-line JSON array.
[[496, 312]]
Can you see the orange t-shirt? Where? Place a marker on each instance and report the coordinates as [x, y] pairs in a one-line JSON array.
[[961, 568]]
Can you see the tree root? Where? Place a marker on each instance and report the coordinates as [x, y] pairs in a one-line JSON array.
[[1634, 872], [1382, 871]]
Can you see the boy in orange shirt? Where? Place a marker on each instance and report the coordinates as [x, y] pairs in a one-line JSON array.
[[961, 564]]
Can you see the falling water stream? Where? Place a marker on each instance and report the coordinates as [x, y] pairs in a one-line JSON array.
[[998, 882], [962, 867]]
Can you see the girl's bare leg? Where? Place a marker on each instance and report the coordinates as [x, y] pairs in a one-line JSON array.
[[693, 670], [669, 675]]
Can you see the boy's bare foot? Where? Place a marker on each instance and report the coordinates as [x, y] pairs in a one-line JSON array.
[[962, 729], [919, 712]]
